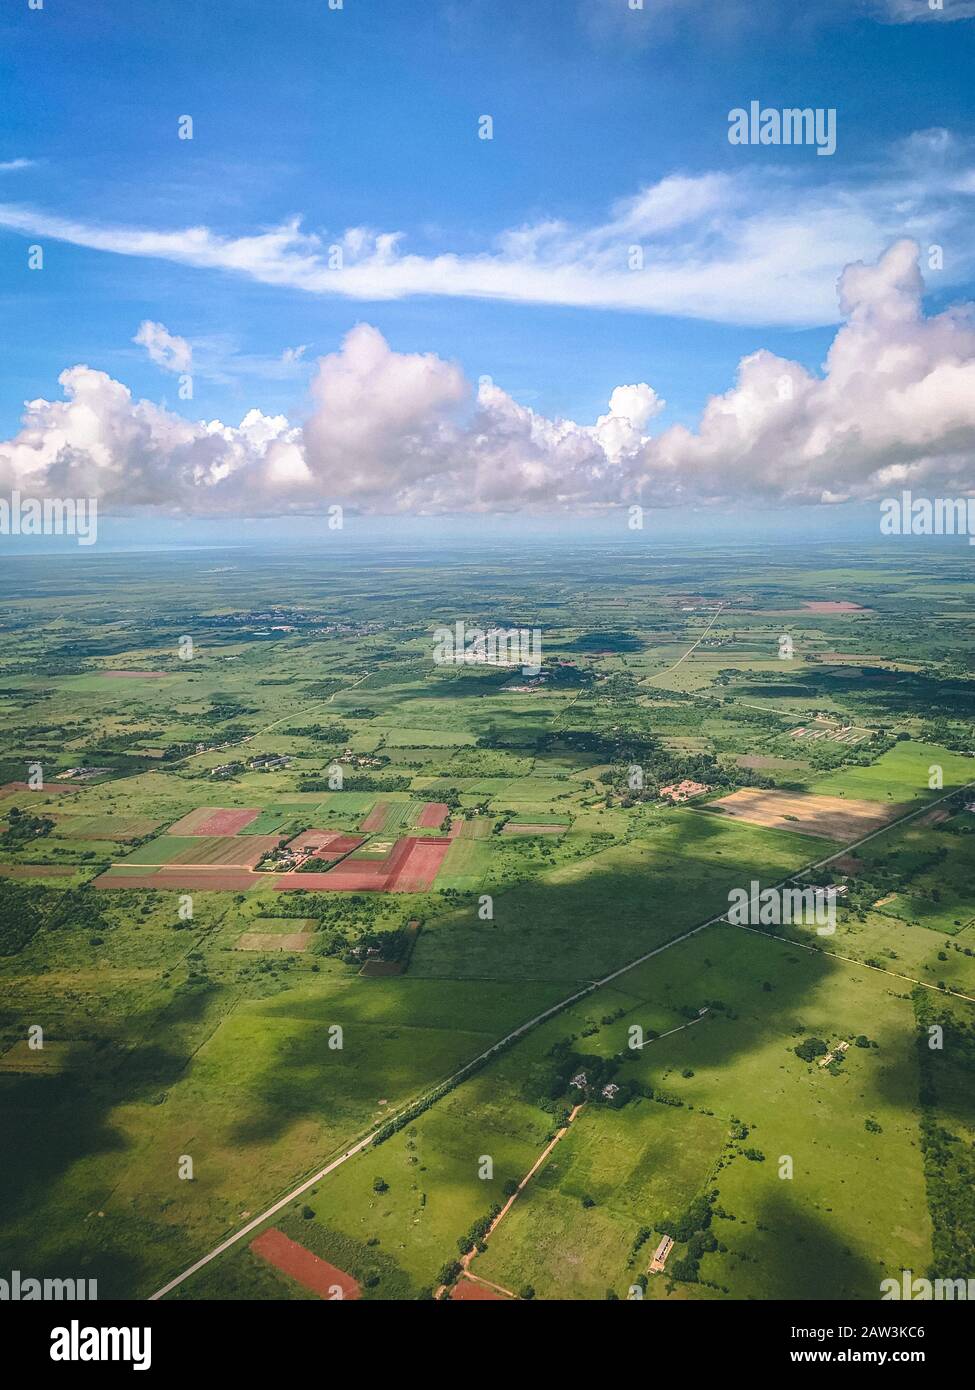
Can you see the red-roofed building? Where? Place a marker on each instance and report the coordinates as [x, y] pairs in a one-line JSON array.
[[683, 791]]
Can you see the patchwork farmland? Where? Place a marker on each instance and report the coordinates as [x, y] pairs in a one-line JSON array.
[[191, 927], [215, 839]]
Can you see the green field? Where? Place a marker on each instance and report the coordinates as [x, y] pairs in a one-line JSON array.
[[163, 1040]]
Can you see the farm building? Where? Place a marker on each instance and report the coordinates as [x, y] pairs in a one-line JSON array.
[[660, 1254], [264, 762], [683, 791]]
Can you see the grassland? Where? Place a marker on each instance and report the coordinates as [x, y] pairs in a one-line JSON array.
[[163, 1040]]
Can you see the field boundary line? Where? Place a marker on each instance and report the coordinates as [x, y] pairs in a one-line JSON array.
[[851, 960]]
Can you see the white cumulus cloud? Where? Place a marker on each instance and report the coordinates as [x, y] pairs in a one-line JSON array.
[[388, 432], [166, 349]]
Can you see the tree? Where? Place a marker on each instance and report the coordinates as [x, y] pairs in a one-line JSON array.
[[810, 1048], [685, 1270]]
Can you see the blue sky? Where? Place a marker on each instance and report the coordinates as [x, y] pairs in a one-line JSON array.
[[366, 117]]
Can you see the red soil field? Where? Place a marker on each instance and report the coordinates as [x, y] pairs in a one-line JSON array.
[[376, 817], [303, 1266], [9, 788], [184, 879], [194, 821], [352, 875], [341, 880], [432, 816], [378, 870], [312, 883], [466, 1291], [832, 606], [373, 868], [358, 881], [226, 822], [410, 868], [419, 867], [345, 844], [393, 860]]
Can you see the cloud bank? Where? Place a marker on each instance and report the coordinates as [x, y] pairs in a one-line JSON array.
[[392, 432]]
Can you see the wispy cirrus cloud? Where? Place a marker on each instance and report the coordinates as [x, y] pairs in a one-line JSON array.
[[762, 244], [921, 11], [650, 21]]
